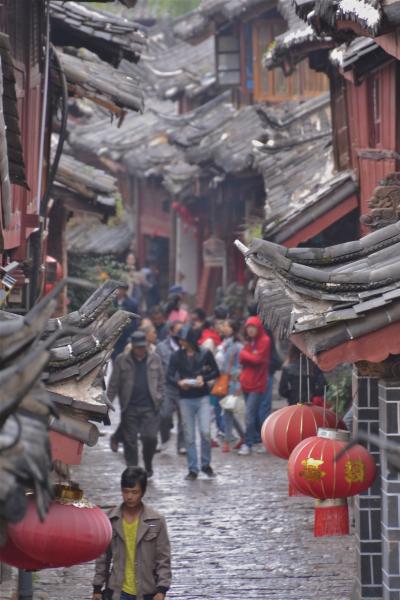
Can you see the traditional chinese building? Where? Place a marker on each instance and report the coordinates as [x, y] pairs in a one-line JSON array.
[[338, 303]]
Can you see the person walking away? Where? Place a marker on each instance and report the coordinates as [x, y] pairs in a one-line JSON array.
[[170, 403], [294, 384], [138, 379], [157, 317], [190, 368], [228, 362], [254, 358], [137, 564]]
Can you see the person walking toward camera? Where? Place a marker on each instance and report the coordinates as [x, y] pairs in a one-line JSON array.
[[138, 379], [137, 564], [190, 368]]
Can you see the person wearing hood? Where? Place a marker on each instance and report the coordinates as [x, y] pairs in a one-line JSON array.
[[254, 358], [190, 369]]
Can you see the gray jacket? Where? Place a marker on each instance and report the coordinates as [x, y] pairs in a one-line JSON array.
[[153, 556], [165, 351], [122, 379]]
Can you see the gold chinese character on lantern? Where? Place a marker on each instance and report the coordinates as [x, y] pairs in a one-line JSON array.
[[354, 471], [312, 470]]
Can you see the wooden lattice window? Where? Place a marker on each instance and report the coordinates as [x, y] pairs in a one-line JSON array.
[[228, 58], [274, 85]]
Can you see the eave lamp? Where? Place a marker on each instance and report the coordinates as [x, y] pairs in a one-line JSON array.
[[316, 471]]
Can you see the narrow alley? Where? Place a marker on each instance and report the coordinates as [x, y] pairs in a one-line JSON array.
[[239, 533]]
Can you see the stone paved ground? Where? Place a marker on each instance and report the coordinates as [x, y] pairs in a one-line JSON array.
[[238, 536]]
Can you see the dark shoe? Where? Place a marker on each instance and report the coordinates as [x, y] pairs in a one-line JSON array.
[[208, 471], [114, 444], [150, 473], [191, 476]]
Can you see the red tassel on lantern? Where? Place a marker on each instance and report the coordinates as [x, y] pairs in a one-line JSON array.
[[315, 471], [73, 532], [331, 517]]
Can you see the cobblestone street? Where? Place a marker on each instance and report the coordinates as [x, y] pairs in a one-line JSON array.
[[238, 536]]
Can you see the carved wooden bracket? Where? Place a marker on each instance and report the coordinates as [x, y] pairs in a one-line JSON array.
[[384, 203], [388, 369]]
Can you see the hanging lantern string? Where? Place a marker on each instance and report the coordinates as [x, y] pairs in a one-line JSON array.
[[325, 388], [301, 380], [308, 380]]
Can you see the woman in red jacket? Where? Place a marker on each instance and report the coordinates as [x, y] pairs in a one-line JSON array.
[[255, 358]]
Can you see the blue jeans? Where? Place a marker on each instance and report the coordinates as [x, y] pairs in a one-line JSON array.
[[254, 403], [219, 421], [265, 406], [199, 409]]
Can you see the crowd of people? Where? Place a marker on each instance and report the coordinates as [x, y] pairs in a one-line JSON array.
[[182, 369]]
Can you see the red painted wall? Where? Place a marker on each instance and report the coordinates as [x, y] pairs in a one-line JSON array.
[[26, 42], [372, 168]]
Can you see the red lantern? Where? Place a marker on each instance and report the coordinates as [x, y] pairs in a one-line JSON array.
[[315, 471], [73, 532], [287, 427], [13, 556]]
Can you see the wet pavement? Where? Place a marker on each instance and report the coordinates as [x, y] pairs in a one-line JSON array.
[[238, 536]]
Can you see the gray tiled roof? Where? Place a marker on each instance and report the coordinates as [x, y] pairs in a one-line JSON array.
[[333, 294], [293, 152], [93, 237], [110, 36], [91, 185], [89, 76], [373, 16], [211, 13], [171, 68], [28, 347]]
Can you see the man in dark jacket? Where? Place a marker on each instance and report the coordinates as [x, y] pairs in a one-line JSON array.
[[138, 562], [138, 379], [190, 369]]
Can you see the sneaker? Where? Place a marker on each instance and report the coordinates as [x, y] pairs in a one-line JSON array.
[[182, 450], [244, 450], [114, 444], [191, 476], [214, 444], [238, 445], [261, 449], [163, 446], [208, 471], [226, 447]]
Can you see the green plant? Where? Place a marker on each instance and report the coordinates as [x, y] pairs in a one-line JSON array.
[[339, 390], [95, 269]]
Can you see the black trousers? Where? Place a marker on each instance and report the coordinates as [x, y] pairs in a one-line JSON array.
[[144, 422]]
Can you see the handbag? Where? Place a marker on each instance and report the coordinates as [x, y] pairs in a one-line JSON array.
[[229, 403], [221, 385]]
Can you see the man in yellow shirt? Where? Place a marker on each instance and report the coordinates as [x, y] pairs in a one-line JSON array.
[[137, 565]]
